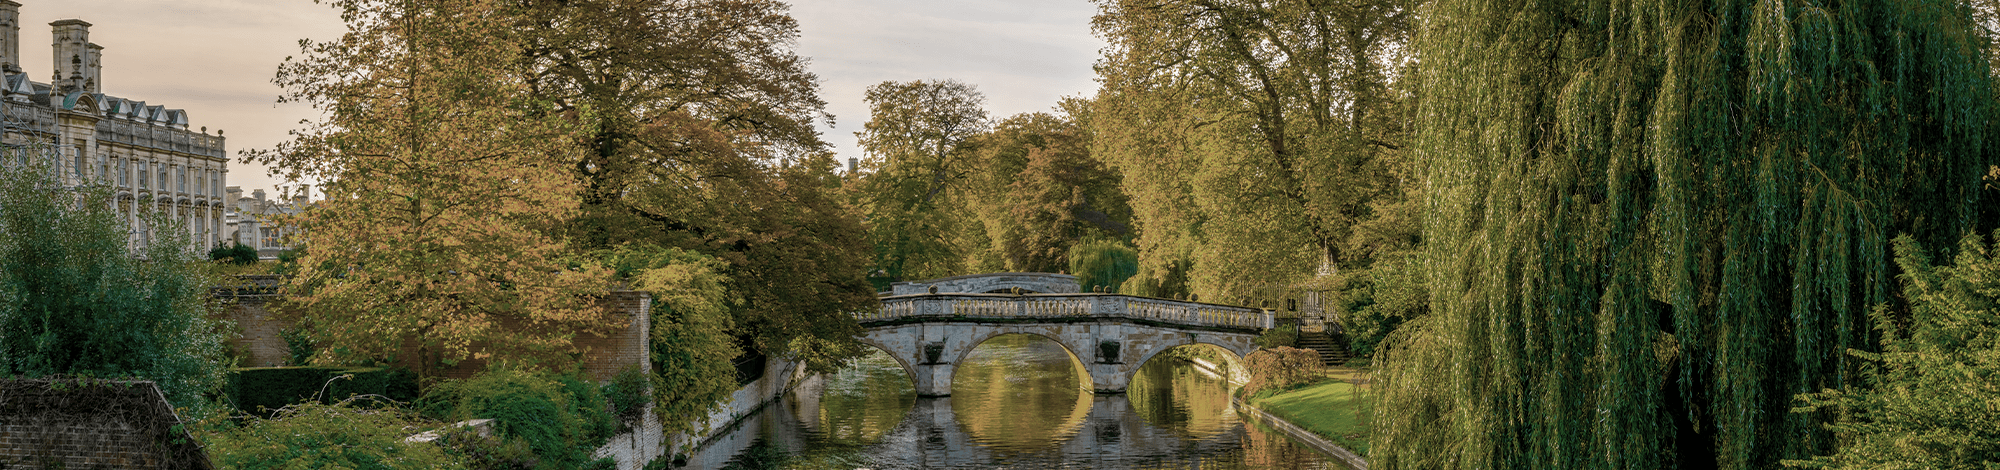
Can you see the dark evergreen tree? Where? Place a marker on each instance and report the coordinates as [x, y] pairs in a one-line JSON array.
[[1653, 223]]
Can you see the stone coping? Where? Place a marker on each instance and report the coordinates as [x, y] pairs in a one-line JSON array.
[[1300, 434]]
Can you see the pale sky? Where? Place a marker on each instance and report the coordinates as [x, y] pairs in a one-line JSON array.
[[215, 58]]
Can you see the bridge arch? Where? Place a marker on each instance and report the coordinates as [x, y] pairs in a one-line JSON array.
[[982, 337], [908, 371], [1233, 351]]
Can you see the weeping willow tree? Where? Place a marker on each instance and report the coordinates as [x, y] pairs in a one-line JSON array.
[[1653, 223]]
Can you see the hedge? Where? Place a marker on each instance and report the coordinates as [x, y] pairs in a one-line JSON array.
[[260, 389]]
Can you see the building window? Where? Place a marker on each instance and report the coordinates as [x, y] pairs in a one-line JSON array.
[[181, 176], [124, 168], [145, 175], [272, 236], [103, 169]]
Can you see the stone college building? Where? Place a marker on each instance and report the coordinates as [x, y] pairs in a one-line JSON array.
[[143, 150]]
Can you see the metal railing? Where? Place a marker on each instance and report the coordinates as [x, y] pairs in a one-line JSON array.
[[1033, 306]]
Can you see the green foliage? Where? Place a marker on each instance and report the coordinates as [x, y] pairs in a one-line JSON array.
[[487, 452], [1283, 335], [691, 334], [1926, 401], [562, 418], [1376, 300], [628, 393], [1253, 137], [1280, 368], [75, 300], [299, 347], [313, 435], [239, 254], [919, 141], [1649, 224], [1103, 263], [265, 389]]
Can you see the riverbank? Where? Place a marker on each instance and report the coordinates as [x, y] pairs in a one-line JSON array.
[[1335, 409]]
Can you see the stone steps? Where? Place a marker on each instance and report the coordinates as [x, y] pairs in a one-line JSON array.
[[1331, 352]]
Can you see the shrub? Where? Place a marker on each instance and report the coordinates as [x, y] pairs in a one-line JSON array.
[[627, 394], [562, 419], [1281, 368], [485, 452], [239, 254], [1928, 399], [75, 299], [312, 435]]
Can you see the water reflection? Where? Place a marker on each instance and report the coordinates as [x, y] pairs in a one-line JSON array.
[[1020, 393], [1186, 390], [1013, 412], [860, 403]]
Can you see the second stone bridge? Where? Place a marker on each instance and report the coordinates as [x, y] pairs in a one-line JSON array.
[[1110, 334]]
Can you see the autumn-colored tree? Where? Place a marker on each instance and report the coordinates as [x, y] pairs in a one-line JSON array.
[[698, 135], [438, 163], [918, 141], [1251, 134]]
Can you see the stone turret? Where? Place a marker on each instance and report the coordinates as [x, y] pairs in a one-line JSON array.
[[10, 37], [75, 61]]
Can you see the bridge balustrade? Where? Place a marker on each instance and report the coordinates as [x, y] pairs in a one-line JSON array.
[[1005, 306]]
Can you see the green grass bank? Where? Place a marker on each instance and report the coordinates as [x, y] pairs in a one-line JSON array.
[[1335, 408]]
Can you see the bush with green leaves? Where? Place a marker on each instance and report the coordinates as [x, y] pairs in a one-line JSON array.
[[1929, 397], [76, 300], [561, 418], [313, 435], [238, 254]]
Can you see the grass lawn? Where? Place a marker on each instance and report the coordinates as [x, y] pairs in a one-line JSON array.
[[1336, 408]]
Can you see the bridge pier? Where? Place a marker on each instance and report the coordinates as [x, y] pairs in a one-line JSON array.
[[932, 380]]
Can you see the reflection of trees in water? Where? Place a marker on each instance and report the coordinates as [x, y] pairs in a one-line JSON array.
[[1268, 448], [1020, 393], [865, 400], [1169, 392]]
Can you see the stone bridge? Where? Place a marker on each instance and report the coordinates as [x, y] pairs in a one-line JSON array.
[[1110, 334]]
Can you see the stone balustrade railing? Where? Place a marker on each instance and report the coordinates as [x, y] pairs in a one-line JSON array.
[[1031, 306]]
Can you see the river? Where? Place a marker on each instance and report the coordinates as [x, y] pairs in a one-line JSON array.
[[1018, 401]]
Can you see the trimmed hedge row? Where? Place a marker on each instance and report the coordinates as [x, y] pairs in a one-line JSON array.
[[262, 389]]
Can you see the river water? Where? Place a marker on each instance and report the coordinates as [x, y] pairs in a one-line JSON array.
[[1018, 401]]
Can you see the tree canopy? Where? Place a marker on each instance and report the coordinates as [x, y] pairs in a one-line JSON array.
[[1252, 135], [439, 165]]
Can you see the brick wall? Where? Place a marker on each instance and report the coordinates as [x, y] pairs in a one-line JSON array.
[[260, 344], [108, 425]]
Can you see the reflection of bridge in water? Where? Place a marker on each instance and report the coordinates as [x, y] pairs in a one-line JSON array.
[[930, 326], [930, 436]]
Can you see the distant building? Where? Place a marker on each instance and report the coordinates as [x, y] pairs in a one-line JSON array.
[[248, 220], [145, 152]]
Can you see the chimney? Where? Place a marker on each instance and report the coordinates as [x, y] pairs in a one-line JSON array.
[[93, 68], [10, 37], [258, 194], [851, 161], [305, 194], [73, 56]]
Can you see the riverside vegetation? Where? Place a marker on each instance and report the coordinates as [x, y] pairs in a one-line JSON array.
[[1613, 234]]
